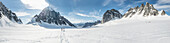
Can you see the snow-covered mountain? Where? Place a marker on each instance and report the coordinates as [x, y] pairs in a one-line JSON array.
[[144, 11], [110, 15], [49, 16], [107, 16], [151, 27], [7, 16]]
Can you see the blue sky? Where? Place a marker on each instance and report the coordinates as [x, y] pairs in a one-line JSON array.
[[78, 11]]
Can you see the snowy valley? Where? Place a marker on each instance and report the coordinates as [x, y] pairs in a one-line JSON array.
[[146, 30], [142, 24]]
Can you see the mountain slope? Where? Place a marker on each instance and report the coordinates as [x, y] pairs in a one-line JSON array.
[[7, 16], [49, 16], [144, 30], [143, 11]]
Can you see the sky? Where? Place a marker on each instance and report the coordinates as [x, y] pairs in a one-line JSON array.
[[78, 11]]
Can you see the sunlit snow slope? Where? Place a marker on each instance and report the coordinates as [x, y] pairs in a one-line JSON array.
[[126, 30]]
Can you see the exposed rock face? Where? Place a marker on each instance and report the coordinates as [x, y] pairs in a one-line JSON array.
[[9, 14], [111, 14], [143, 10], [163, 13], [0, 15], [48, 15]]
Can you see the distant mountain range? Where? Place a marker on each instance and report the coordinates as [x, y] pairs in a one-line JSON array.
[[143, 11], [50, 16]]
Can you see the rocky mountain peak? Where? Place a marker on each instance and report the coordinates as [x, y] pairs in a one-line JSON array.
[[163, 12], [152, 6], [48, 9], [0, 3], [136, 7], [142, 5], [147, 4], [143, 10], [111, 15], [114, 10], [50, 16]]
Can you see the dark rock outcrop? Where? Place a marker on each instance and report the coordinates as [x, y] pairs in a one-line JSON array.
[[144, 10], [48, 15], [90, 24], [9, 14], [0, 15], [110, 15], [163, 13]]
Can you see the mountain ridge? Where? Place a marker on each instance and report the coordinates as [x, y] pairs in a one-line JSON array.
[[4, 11], [48, 15], [143, 10]]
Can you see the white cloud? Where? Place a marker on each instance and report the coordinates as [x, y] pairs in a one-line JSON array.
[[73, 20], [162, 5], [94, 14], [163, 1], [90, 14], [121, 2], [80, 14], [76, 16], [122, 11], [106, 2], [22, 13], [35, 4], [85, 15], [140, 1]]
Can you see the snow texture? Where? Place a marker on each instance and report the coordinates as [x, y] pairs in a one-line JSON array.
[[153, 29]]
